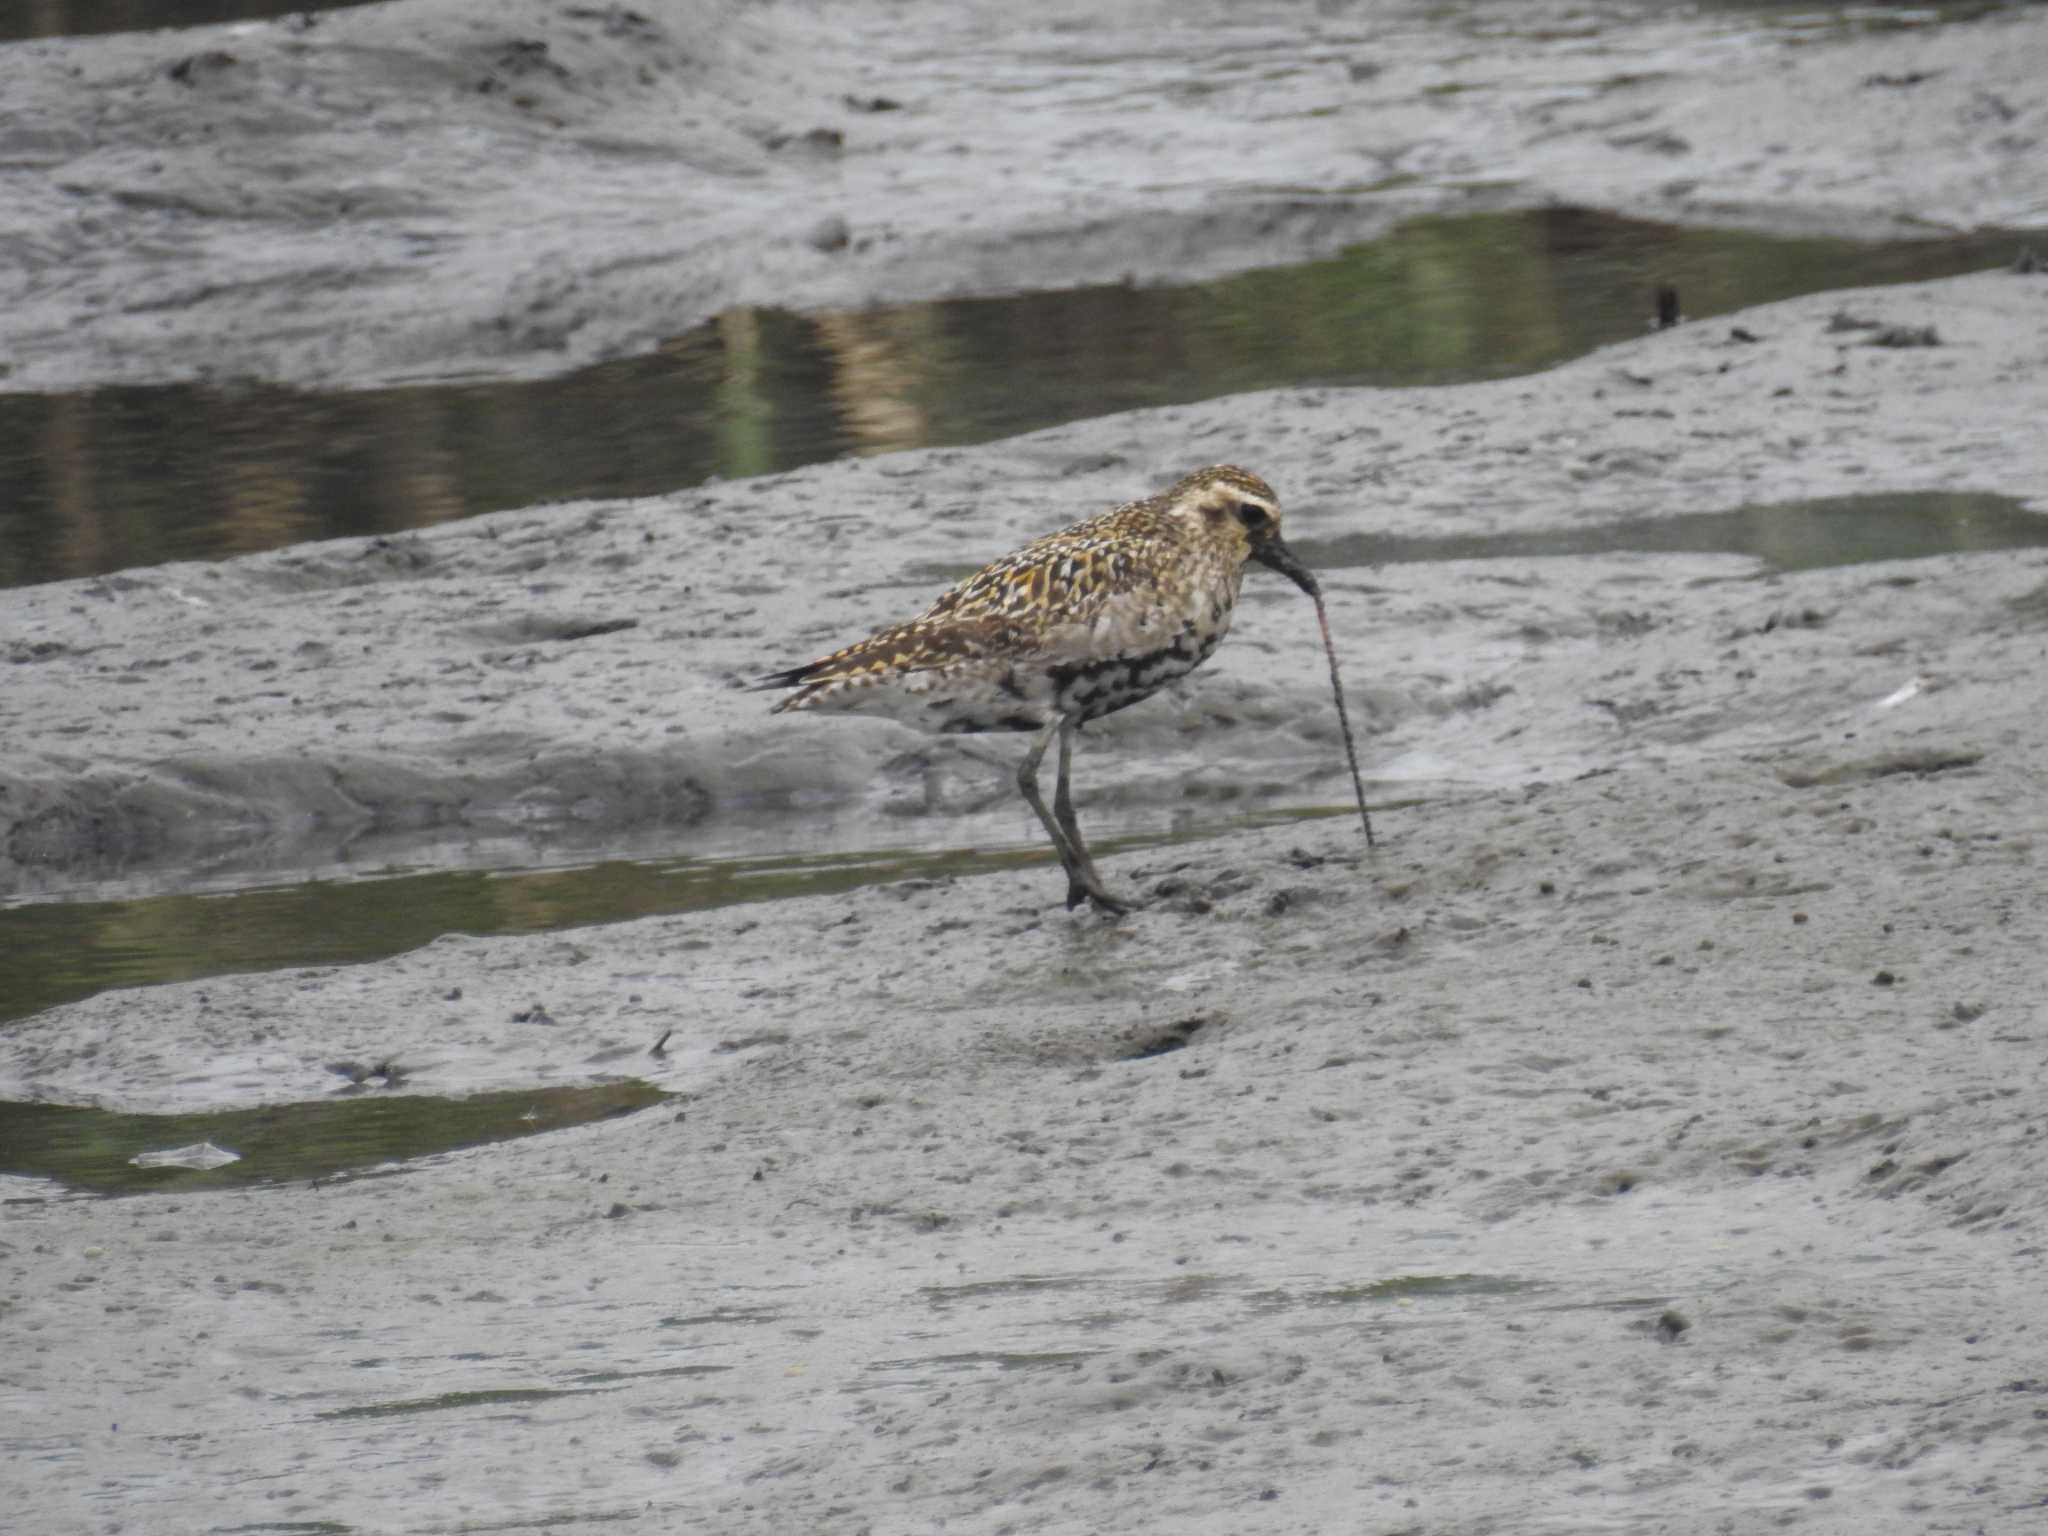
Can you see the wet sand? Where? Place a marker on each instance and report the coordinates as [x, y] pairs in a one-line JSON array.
[[1646, 1137]]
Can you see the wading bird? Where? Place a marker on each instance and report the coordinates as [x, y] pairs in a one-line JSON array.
[[1072, 627]]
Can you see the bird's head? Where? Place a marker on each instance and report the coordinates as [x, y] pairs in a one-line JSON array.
[[1234, 508]]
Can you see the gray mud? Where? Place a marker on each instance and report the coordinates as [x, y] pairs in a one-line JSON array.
[[1661, 1143], [438, 189], [1647, 1137], [532, 683]]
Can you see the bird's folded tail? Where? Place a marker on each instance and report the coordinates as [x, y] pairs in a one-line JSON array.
[[862, 662], [896, 653], [794, 677], [806, 679]]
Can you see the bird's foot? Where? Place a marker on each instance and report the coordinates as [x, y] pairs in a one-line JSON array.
[[1092, 890]]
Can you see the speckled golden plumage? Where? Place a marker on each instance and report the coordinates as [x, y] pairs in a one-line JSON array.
[[1067, 629], [1128, 585]]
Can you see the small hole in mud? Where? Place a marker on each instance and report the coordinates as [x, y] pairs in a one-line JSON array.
[[1173, 1037]]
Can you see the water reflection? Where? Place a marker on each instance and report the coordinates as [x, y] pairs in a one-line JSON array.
[[118, 477], [93, 1149], [54, 952], [73, 18]]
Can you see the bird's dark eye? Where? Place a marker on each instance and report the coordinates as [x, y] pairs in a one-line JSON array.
[[1252, 515]]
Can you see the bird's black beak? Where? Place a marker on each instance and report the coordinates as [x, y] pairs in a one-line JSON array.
[[1270, 552]]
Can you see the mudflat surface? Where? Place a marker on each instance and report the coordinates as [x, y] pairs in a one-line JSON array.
[[446, 188], [1646, 1134], [1645, 1137], [1570, 1164], [550, 680]]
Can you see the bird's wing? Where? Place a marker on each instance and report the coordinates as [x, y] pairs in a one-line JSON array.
[[1035, 599], [922, 644], [1062, 579]]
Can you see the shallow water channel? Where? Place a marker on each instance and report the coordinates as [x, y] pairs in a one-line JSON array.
[[75, 18], [111, 478]]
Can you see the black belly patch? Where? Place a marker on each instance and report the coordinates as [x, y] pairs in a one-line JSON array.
[[965, 725], [1093, 689]]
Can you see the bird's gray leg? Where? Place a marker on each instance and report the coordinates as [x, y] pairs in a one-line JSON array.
[[1083, 883], [1027, 782], [1063, 813]]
